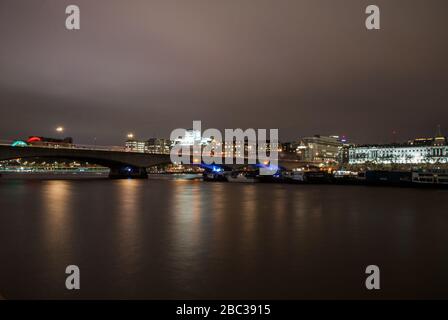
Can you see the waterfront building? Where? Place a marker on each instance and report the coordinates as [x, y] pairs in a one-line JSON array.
[[319, 149], [417, 151], [344, 154]]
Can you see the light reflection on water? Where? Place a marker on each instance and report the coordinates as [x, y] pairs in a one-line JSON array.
[[175, 238], [57, 217], [127, 222], [187, 208]]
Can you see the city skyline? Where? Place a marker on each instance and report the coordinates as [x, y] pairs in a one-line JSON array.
[[223, 158], [149, 67], [131, 136]]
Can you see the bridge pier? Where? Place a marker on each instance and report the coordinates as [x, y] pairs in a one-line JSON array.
[[128, 172]]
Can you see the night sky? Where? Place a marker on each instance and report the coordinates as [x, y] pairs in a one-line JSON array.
[[302, 66]]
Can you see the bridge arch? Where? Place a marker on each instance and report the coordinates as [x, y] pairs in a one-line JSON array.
[[121, 164]]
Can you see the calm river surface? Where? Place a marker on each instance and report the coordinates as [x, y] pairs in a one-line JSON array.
[[180, 238]]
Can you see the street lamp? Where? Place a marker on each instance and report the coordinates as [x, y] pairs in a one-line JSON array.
[[60, 129], [130, 135]]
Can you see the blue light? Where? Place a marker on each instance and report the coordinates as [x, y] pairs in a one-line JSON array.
[[269, 167], [275, 170], [213, 168], [128, 169]]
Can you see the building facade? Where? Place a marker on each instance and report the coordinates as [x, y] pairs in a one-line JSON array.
[[153, 145], [192, 137], [418, 151], [319, 149], [135, 145], [344, 153], [158, 146]]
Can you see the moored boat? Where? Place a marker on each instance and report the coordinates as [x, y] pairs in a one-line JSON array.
[[388, 178], [430, 177], [214, 176], [311, 177], [241, 176]]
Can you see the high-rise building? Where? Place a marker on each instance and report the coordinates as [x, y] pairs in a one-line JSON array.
[[153, 145], [158, 146], [135, 145]]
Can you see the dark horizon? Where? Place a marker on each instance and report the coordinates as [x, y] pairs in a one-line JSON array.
[[148, 67]]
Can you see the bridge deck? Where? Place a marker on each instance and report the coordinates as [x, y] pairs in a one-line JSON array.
[[114, 156]]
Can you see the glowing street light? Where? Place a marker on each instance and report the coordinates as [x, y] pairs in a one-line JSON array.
[[60, 129], [130, 135]]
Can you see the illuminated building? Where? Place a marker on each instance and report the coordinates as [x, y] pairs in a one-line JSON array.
[[344, 153], [153, 145], [319, 149], [135, 145], [192, 137], [241, 149], [418, 151], [158, 146], [288, 147]]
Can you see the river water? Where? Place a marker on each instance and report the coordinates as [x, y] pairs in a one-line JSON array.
[[174, 237]]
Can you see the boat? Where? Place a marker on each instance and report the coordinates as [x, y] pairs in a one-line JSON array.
[[241, 176], [346, 177], [361, 177], [214, 176], [274, 178], [295, 176], [388, 178], [311, 177], [430, 177], [318, 177]]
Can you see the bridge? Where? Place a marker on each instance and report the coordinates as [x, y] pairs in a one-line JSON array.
[[121, 162]]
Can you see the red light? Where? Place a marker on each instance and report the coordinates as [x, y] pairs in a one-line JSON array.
[[33, 139]]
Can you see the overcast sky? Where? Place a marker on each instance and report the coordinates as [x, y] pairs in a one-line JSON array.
[[148, 67]]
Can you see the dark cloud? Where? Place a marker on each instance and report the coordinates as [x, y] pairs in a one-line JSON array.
[[304, 67]]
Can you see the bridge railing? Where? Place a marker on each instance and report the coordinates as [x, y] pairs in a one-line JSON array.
[[282, 156], [5, 142], [70, 146]]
